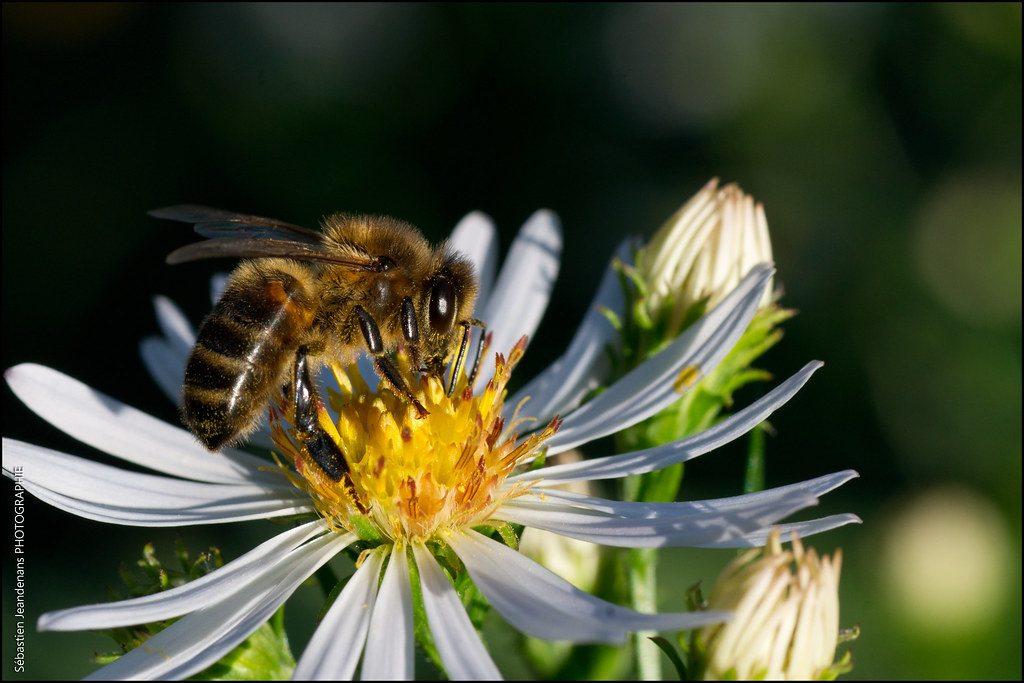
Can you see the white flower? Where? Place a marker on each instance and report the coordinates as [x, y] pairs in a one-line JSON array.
[[786, 615], [372, 619], [705, 249]]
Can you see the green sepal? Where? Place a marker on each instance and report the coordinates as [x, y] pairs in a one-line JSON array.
[[640, 316], [509, 534], [691, 643], [845, 663], [365, 529], [665, 646], [263, 656], [848, 635], [843, 666], [152, 568], [612, 317], [205, 563]]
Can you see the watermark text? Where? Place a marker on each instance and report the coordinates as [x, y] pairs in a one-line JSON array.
[[19, 572]]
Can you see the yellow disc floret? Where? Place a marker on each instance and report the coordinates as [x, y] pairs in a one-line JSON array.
[[411, 476]]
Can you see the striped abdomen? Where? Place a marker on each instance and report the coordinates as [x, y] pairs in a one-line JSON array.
[[244, 349]]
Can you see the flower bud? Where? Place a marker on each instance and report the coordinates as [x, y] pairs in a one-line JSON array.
[[785, 623], [704, 250]]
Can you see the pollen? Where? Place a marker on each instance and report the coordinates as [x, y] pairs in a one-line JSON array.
[[410, 476], [688, 377]]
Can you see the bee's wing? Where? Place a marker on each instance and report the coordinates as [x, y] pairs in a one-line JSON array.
[[261, 247], [216, 223], [237, 235]]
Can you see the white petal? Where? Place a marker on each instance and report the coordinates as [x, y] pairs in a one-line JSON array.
[[523, 288], [653, 384], [562, 385], [166, 369], [757, 539], [165, 358], [538, 602], [177, 330], [650, 459], [120, 430], [204, 636], [218, 283], [700, 529], [131, 516], [463, 655], [194, 595], [389, 644], [337, 644], [812, 487], [476, 238], [115, 495]]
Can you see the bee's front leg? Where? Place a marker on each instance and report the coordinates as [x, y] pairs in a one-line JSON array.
[[467, 326], [306, 408], [385, 368]]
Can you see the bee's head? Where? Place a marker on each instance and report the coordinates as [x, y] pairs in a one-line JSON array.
[[450, 296]]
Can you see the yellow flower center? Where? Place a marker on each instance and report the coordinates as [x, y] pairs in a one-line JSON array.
[[411, 476]]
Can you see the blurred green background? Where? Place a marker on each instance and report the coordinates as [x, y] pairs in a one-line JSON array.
[[884, 141]]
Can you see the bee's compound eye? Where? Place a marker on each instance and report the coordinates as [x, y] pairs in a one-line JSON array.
[[442, 305]]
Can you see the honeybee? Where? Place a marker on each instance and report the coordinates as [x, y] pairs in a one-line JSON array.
[[364, 283]]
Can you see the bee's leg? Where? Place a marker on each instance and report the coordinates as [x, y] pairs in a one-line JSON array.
[[461, 356], [410, 329], [479, 349], [306, 407], [467, 326], [411, 334], [385, 368]]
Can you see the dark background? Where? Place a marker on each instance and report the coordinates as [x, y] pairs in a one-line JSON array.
[[884, 142]]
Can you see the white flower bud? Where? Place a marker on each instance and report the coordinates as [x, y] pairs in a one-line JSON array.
[[785, 623], [705, 249]]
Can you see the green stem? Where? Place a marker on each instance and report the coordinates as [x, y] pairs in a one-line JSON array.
[[643, 588], [753, 480], [642, 565]]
